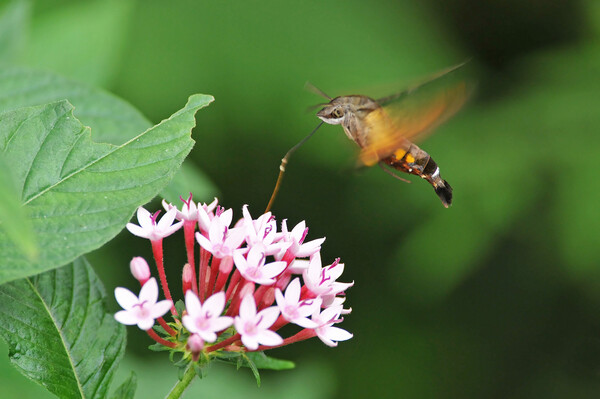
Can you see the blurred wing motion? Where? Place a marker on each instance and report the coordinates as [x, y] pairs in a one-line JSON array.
[[384, 129], [398, 122]]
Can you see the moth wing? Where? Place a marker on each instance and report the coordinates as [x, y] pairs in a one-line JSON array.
[[411, 117]]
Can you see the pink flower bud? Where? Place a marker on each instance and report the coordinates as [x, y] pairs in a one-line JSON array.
[[195, 344], [140, 269], [187, 277]]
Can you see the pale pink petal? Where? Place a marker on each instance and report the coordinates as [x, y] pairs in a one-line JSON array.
[[338, 334], [250, 341], [192, 304], [273, 269], [204, 242], [267, 317], [160, 308], [215, 303], [145, 324], [125, 317], [269, 338], [149, 292], [189, 323], [248, 307], [304, 322], [167, 219], [144, 218], [292, 292], [310, 248], [207, 335], [137, 230], [221, 323], [226, 217], [125, 298]]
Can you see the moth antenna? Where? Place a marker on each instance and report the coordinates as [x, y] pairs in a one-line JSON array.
[[283, 164], [314, 89]]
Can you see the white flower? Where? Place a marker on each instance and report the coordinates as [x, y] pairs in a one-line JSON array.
[[326, 332], [254, 327], [296, 246], [189, 210], [295, 310], [151, 230], [222, 240], [321, 280], [253, 267], [143, 310], [262, 232], [205, 319]]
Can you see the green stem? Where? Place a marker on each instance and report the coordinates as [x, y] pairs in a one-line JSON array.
[[182, 384]]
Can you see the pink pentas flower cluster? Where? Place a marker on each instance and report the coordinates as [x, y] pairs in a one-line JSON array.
[[249, 281]]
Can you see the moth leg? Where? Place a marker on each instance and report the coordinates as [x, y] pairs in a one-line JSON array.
[[386, 170]]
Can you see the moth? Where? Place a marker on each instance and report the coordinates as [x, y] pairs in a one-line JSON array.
[[384, 129]]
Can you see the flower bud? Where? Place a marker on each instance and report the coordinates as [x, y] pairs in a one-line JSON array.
[[140, 269], [187, 277], [195, 344]]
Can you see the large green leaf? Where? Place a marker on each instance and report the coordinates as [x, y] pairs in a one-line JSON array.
[[80, 194], [13, 216], [112, 120], [59, 333]]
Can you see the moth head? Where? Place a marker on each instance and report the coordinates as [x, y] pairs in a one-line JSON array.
[[333, 113]]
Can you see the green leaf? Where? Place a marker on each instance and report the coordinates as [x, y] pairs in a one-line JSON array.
[[14, 21], [247, 362], [13, 217], [80, 194], [112, 120], [127, 388], [82, 40], [262, 361], [58, 332]]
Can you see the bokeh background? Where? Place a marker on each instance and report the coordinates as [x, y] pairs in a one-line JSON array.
[[496, 297]]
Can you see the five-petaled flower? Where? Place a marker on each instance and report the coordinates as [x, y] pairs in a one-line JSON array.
[[152, 230], [206, 320], [142, 310], [254, 327]]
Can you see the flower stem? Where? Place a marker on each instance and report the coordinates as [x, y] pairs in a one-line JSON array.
[[159, 339], [157, 251], [182, 384], [189, 227]]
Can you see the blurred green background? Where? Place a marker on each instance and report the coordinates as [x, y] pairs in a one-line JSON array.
[[496, 297]]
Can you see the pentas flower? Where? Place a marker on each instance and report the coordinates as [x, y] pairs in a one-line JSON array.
[[326, 331], [297, 248], [189, 210], [254, 327], [250, 280], [142, 310], [151, 230], [262, 232], [295, 310], [253, 267], [321, 281], [205, 320], [221, 240]]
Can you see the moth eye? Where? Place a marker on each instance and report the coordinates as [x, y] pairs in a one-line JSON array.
[[337, 113]]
